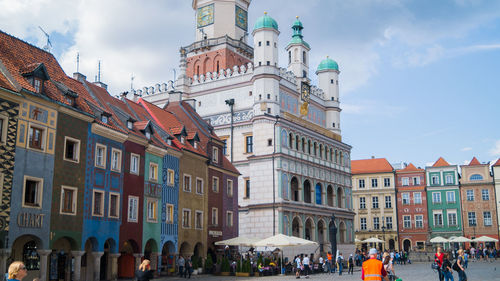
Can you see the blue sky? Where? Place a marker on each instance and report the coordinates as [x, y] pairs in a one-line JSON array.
[[419, 79]]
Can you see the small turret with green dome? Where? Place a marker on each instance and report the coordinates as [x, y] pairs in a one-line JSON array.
[[328, 64], [297, 37], [265, 22]]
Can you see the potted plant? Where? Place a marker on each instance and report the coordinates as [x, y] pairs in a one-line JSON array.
[[194, 261], [200, 265], [209, 264], [225, 268]]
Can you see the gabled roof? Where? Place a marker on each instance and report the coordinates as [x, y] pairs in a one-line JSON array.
[[441, 163], [370, 166], [411, 168], [497, 163], [474, 162]]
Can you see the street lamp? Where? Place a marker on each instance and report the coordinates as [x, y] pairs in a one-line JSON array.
[[383, 232]]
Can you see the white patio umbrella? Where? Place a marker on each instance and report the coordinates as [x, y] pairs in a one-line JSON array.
[[239, 241], [356, 240], [460, 239], [439, 239], [373, 240], [281, 241], [485, 239]]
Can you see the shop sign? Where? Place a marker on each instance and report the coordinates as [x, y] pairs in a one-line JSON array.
[[30, 220], [214, 233]]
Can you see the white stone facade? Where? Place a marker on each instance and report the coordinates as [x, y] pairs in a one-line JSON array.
[[290, 153]]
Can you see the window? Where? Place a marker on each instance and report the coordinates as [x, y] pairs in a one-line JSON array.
[[452, 217], [104, 119], [114, 205], [170, 213], [406, 198], [100, 155], [229, 188], [417, 198], [436, 197], [116, 160], [375, 202], [3, 128], [470, 195], [363, 223], [198, 220], [134, 163], [130, 125], [388, 222], [419, 221], [186, 218], [171, 177], [148, 135], [387, 182], [98, 203], [153, 171], [215, 184], [229, 218], [247, 188], [152, 206], [68, 200], [406, 221], [362, 203], [450, 197], [199, 186], [37, 84], [376, 223], [449, 179], [269, 141], [71, 149], [215, 154], [416, 180], [476, 177], [374, 183], [434, 179], [388, 202], [260, 43], [438, 218], [472, 218], [187, 183], [1, 185], [224, 148], [487, 218], [485, 194], [36, 137], [215, 216], [406, 181], [361, 183], [32, 192], [133, 204], [249, 144]]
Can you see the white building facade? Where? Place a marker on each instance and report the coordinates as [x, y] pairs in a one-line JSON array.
[[284, 135]]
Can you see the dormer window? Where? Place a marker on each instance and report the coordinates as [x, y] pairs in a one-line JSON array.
[[38, 83], [130, 125], [196, 145], [148, 135], [70, 100], [36, 74], [104, 119], [183, 140], [169, 141]]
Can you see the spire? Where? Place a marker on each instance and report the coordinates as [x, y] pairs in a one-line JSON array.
[[297, 34]]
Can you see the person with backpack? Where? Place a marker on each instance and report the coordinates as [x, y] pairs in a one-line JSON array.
[[350, 265], [144, 273], [189, 268], [446, 268], [460, 266], [340, 260], [438, 258]]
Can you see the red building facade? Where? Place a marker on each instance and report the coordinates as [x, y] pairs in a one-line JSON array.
[[412, 208]]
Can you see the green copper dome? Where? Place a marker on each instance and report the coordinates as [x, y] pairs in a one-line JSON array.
[[297, 37], [265, 22], [328, 64]]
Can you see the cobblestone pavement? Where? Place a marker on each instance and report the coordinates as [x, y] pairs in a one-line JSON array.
[[477, 271]]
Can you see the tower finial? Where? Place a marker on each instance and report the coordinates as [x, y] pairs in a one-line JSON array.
[[297, 17], [265, 13]]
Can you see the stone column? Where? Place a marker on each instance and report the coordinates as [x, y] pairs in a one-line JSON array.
[[97, 266], [43, 263], [4, 255], [137, 260], [114, 266], [158, 255], [78, 264]]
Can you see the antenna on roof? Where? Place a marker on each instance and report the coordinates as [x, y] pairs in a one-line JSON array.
[[77, 62], [99, 72], [49, 44], [173, 69], [132, 81]]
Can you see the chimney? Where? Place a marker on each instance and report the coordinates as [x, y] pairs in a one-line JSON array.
[[174, 96], [192, 103], [80, 77], [373, 157], [102, 85]]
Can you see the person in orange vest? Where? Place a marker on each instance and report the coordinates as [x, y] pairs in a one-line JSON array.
[[373, 269], [329, 262]]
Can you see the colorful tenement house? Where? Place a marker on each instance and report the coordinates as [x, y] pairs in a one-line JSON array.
[[479, 210], [374, 196], [282, 133], [412, 208], [496, 178], [443, 204]]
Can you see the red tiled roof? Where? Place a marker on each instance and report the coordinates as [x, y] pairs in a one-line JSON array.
[[474, 162], [411, 168], [497, 163], [191, 135], [369, 166], [140, 125], [441, 163]]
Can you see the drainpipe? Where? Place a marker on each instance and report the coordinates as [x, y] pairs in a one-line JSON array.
[[274, 180], [230, 102]]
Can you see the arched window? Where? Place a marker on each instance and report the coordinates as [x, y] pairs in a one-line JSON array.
[[321, 151], [309, 147], [304, 57], [296, 54], [297, 142], [289, 57], [304, 145], [315, 149], [31, 258], [290, 140], [476, 177]]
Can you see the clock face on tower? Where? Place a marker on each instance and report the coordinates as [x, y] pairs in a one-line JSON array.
[[205, 15], [305, 91], [241, 18]]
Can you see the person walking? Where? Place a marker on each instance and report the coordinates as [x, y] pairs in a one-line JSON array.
[[17, 271], [305, 262], [460, 262], [144, 273], [340, 263], [389, 268], [189, 268], [373, 269], [320, 266], [329, 262], [350, 265], [182, 263], [298, 266], [438, 258], [446, 269]]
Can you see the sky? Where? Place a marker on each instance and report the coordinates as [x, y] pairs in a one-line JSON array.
[[419, 79]]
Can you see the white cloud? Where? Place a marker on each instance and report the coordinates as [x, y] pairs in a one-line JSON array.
[[495, 150], [466, 149]]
